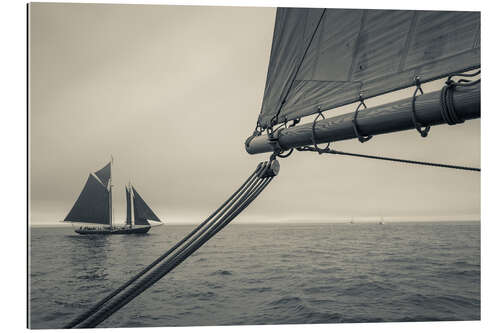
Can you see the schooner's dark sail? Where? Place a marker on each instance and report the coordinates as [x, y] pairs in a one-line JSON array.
[[142, 212], [104, 174], [325, 58], [92, 205]]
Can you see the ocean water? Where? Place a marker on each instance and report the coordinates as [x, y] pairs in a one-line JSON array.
[[265, 274]]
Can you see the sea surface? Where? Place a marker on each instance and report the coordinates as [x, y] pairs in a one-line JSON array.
[[265, 274]]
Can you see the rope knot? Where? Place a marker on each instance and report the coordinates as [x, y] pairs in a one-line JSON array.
[[424, 131]]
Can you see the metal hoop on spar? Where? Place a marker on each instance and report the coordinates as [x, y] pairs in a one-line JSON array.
[[313, 135], [361, 138], [424, 131]]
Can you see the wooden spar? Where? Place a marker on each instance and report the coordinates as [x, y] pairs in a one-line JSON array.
[[387, 118]]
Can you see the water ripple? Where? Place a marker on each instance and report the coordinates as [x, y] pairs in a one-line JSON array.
[[266, 274]]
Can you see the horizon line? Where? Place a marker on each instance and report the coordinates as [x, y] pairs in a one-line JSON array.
[[177, 223]]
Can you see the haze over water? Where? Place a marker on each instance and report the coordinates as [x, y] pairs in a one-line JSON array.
[[266, 274]]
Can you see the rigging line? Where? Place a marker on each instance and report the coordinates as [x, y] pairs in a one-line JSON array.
[[424, 131], [245, 204], [169, 260], [97, 306], [93, 310], [167, 266], [391, 159], [464, 74], [448, 112], [274, 120], [247, 198]]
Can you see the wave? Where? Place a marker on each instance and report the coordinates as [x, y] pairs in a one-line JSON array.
[[221, 272], [263, 279]]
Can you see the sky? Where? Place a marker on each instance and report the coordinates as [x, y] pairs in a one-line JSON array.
[[172, 92]]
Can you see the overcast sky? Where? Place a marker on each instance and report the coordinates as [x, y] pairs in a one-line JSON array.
[[172, 92]]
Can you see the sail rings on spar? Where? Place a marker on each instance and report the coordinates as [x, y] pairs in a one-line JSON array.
[[327, 57], [313, 136], [418, 126], [361, 138], [282, 153], [173, 257]]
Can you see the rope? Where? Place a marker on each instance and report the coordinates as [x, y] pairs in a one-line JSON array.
[[256, 187], [418, 126], [464, 82], [96, 307], [447, 106], [250, 189], [274, 120], [448, 111], [283, 155], [376, 157], [361, 138]]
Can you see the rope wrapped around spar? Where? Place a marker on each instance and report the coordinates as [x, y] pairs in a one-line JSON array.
[[220, 218]]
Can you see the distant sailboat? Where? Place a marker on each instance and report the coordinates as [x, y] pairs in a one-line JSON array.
[[381, 220], [93, 212], [352, 221]]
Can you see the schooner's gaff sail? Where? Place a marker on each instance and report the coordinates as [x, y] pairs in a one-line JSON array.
[[327, 58], [92, 206], [104, 174], [142, 212]]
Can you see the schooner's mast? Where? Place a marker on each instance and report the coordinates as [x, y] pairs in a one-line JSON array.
[[132, 211], [110, 194]]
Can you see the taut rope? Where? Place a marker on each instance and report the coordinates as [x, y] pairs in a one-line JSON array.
[[233, 206], [391, 159]]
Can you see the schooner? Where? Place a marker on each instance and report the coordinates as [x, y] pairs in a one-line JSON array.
[[92, 212]]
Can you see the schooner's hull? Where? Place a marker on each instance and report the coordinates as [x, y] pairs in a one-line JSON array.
[[119, 231]]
